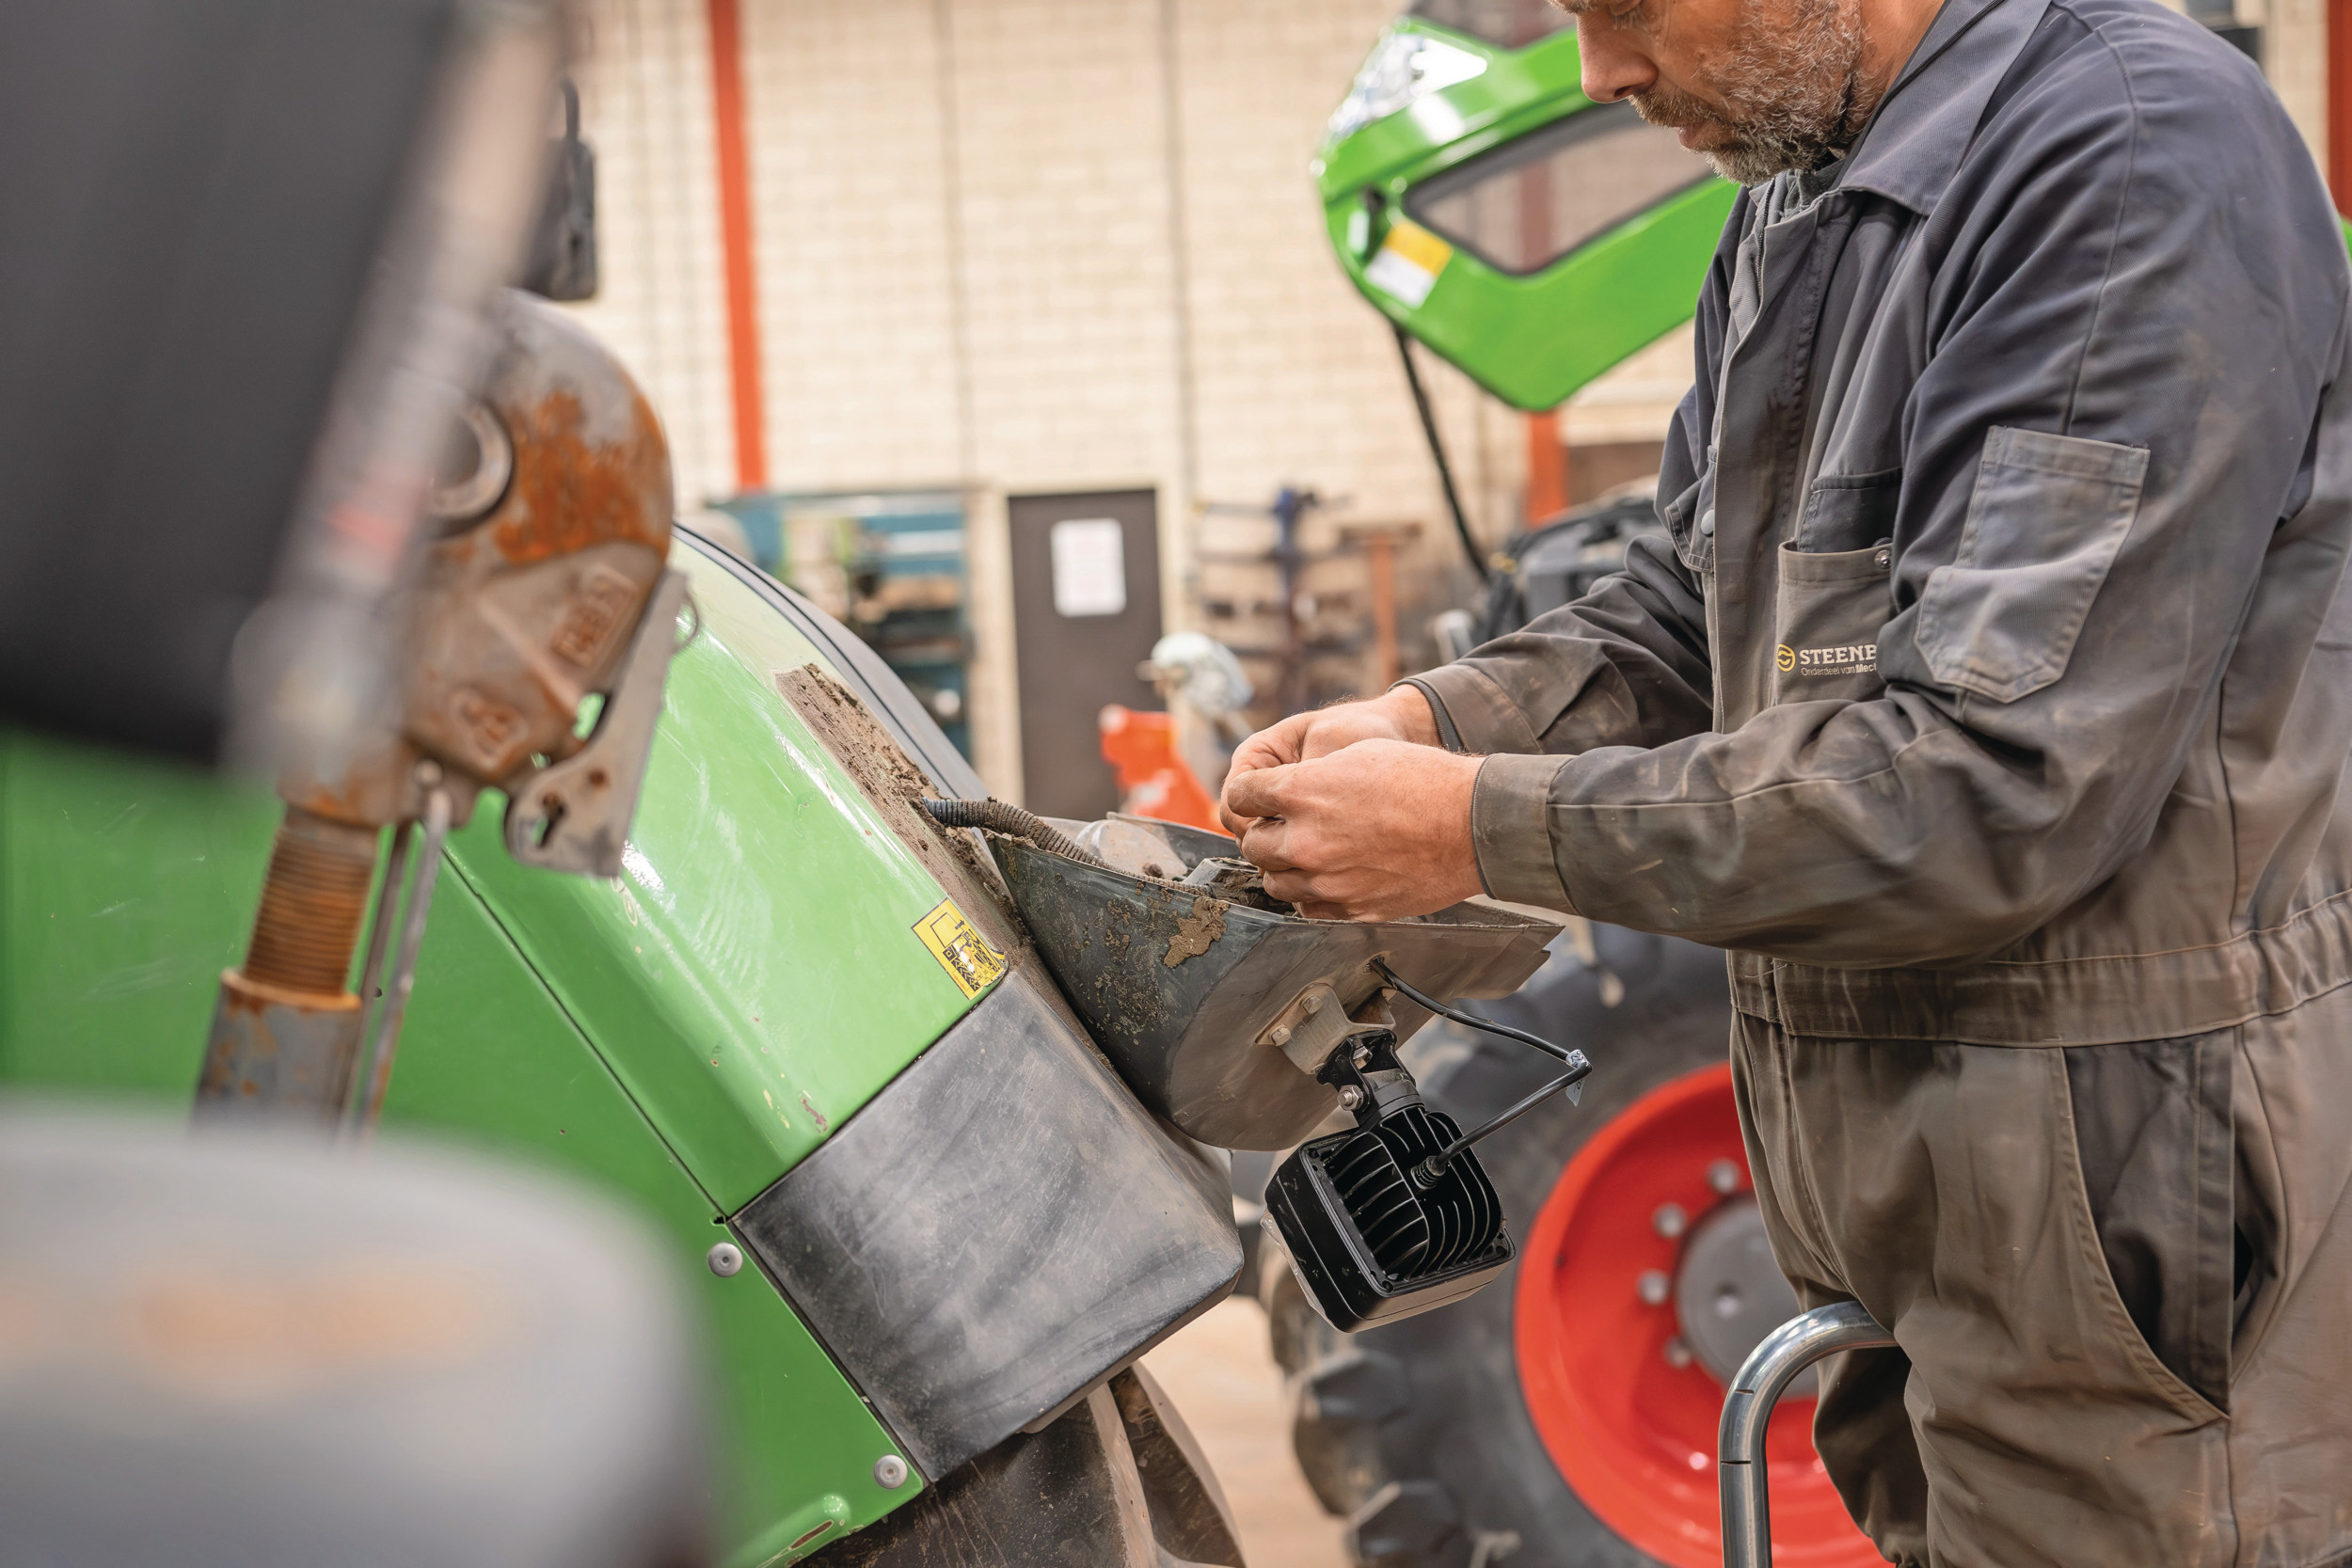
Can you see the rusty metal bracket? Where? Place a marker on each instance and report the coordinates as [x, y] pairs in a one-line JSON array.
[[574, 816]]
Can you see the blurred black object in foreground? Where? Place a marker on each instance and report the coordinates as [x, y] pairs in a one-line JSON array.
[[243, 245], [242, 1347]]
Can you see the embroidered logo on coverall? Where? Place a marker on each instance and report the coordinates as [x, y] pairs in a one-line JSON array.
[[1850, 658]]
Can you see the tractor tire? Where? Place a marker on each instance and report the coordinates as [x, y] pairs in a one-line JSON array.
[[1420, 1434]]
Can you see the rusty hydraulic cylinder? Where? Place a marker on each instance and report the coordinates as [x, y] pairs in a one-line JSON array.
[[286, 1031]]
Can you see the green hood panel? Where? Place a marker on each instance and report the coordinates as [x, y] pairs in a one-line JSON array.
[[490, 1055], [126, 886]]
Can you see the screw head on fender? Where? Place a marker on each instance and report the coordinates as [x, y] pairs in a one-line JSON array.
[[726, 1259], [890, 1472]]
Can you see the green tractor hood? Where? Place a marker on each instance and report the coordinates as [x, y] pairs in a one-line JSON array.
[[1479, 199]]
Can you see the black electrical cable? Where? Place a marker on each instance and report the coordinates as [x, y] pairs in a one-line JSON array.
[[1578, 1064], [1435, 1166], [1472, 1021], [999, 816], [1437, 450]]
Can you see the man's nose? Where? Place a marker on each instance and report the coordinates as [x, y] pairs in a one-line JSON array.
[[1614, 67]]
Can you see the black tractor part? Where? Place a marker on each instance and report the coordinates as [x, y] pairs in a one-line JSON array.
[[1418, 1433], [1376, 1228], [1557, 561]]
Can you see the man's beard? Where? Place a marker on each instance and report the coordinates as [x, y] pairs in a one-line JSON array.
[[1790, 86]]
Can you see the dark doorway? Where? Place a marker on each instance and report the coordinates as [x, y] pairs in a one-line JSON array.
[[1085, 611]]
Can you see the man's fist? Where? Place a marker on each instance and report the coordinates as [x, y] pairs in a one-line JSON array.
[[1401, 715], [1379, 829]]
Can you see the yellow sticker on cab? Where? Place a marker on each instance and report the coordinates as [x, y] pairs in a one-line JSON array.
[[1408, 261], [967, 958]]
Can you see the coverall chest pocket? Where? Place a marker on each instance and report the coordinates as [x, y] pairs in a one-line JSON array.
[[1826, 618]]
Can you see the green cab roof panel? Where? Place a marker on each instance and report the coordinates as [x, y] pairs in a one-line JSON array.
[[1526, 234]]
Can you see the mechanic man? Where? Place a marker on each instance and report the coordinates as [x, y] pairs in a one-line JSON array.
[[1988, 697]]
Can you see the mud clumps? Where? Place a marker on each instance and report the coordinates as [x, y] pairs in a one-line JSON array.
[[1196, 932], [896, 786]]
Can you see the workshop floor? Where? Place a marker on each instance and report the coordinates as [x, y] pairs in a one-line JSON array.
[[1222, 1377]]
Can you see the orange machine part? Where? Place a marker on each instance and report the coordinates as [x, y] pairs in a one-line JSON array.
[[1153, 780]]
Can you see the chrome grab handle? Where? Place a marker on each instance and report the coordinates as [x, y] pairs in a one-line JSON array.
[[1769, 1370]]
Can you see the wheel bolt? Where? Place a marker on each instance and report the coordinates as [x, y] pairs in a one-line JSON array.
[[1677, 1354], [1724, 1176], [1670, 1220], [1653, 1287]]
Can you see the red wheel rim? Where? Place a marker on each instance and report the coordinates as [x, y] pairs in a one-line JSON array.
[[1633, 1434]]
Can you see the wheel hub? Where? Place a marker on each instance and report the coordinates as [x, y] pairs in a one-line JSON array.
[[1644, 1283], [1729, 1293]]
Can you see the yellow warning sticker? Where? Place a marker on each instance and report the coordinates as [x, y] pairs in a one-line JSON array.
[[1408, 263], [968, 960]]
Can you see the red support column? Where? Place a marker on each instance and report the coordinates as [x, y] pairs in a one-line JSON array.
[[735, 235], [1547, 463], [2340, 103]]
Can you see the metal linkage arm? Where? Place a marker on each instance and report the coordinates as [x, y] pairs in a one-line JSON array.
[[1769, 1370]]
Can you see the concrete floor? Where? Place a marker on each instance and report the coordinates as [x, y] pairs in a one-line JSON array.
[[1223, 1379]]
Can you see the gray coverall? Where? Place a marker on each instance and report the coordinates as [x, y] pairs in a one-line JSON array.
[[1989, 699]]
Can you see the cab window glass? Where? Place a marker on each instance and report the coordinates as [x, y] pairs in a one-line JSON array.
[[1522, 206]]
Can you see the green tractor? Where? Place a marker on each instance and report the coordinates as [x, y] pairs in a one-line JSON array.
[[795, 1031], [929, 1099], [1565, 1417], [656, 905], [679, 891]]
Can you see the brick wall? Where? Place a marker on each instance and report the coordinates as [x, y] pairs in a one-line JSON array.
[[1023, 246], [646, 107]]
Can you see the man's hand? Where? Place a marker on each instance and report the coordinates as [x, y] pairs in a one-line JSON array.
[[1401, 715], [1376, 830]]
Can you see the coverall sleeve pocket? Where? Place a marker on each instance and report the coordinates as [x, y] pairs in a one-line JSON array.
[[2045, 522]]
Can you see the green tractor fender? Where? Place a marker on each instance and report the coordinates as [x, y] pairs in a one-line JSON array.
[[919, 1211]]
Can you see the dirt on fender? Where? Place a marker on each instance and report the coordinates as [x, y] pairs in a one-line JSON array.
[[1196, 932]]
